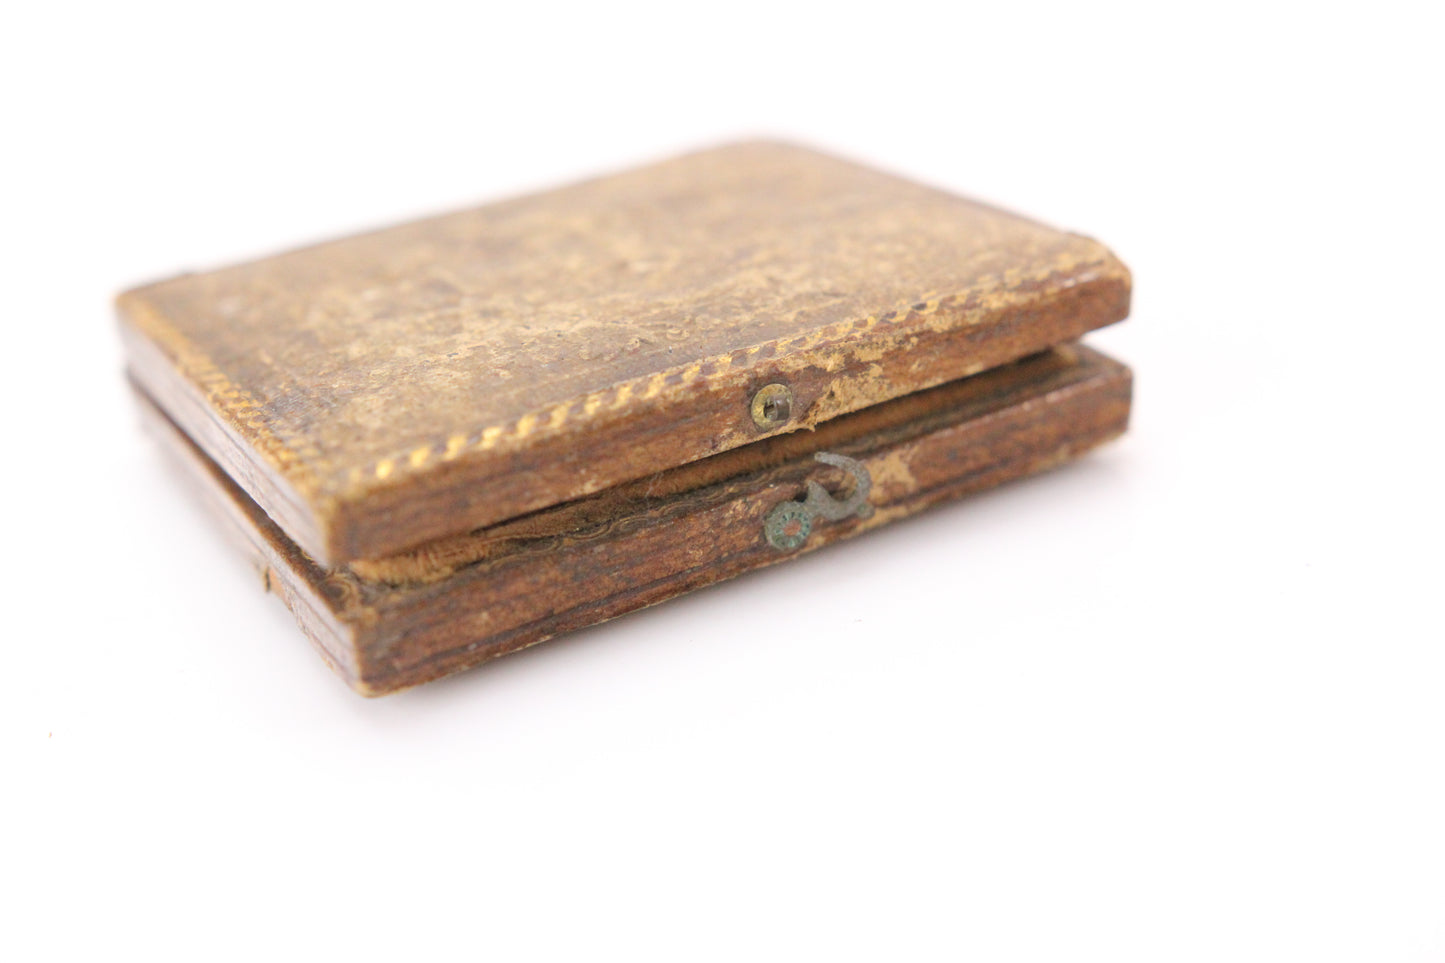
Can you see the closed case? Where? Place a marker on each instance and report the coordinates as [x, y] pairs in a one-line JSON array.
[[446, 440]]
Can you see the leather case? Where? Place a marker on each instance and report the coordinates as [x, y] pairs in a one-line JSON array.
[[446, 440]]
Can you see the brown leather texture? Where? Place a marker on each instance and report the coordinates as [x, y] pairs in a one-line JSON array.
[[380, 392], [397, 623]]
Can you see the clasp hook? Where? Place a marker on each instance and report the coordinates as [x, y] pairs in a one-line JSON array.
[[789, 523]]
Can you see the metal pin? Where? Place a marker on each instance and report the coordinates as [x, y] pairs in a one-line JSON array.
[[772, 406]]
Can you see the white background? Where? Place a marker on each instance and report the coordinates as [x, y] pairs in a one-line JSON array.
[[1182, 701]]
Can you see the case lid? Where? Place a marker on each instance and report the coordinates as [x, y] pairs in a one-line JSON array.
[[378, 392]]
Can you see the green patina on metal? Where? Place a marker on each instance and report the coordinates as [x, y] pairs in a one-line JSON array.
[[790, 523]]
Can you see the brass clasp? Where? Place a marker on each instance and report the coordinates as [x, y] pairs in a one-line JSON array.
[[789, 523]]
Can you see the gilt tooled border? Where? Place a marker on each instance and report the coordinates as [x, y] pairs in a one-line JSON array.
[[304, 465], [617, 397], [287, 451]]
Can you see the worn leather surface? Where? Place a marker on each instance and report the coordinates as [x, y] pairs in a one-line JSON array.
[[391, 624], [451, 354]]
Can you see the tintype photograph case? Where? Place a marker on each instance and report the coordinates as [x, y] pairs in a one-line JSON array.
[[445, 441]]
